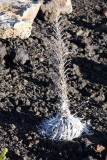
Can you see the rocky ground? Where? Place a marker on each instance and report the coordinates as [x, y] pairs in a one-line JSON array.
[[27, 93]]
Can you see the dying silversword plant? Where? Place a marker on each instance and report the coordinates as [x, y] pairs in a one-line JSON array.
[[3, 154], [64, 126]]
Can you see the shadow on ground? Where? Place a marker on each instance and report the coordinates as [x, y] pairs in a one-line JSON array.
[[92, 71]]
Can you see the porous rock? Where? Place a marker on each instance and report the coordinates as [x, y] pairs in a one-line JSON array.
[[20, 56], [56, 7], [16, 17]]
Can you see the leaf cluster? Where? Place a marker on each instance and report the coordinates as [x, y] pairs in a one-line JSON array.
[[3, 154]]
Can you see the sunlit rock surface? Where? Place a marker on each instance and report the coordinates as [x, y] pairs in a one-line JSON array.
[[54, 8], [16, 17]]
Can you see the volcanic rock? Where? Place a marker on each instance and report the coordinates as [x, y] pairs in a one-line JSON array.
[[16, 17], [56, 7]]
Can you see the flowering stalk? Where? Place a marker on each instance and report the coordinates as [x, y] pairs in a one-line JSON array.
[[64, 126]]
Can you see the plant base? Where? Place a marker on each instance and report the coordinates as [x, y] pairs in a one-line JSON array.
[[63, 128]]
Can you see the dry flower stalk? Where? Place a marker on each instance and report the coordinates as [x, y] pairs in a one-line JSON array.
[[64, 126]]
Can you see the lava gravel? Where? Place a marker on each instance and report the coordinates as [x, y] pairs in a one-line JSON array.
[[28, 95]]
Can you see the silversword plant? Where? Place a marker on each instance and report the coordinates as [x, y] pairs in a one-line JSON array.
[[64, 126]]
